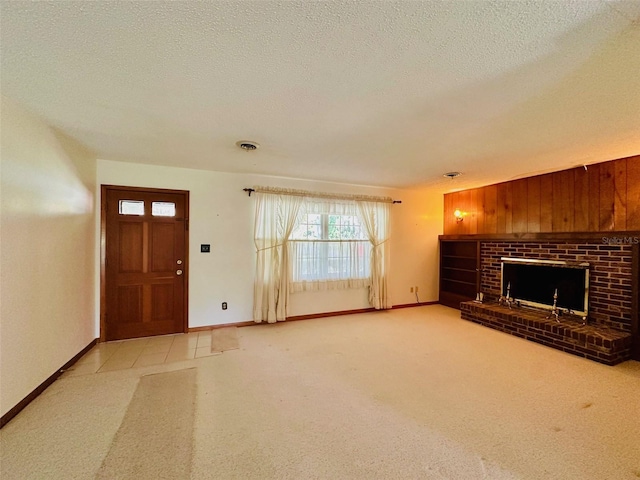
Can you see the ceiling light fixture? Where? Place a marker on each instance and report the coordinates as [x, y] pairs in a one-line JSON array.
[[247, 145], [452, 175]]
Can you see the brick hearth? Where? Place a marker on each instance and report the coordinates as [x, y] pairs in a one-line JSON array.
[[595, 342]]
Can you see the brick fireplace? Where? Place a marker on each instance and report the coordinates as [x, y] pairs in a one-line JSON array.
[[608, 335], [610, 284]]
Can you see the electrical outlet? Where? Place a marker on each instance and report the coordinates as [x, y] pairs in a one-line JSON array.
[[416, 289], [411, 290], [224, 305]]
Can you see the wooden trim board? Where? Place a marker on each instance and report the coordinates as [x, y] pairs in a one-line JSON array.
[[551, 237], [221, 325], [308, 317], [635, 303], [409, 305], [7, 417]]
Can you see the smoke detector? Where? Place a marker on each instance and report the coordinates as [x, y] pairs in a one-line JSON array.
[[247, 145], [452, 175]]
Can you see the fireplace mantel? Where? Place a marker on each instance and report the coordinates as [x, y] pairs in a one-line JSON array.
[[544, 236]]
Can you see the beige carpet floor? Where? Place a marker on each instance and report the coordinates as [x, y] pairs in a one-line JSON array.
[[411, 393], [155, 438], [223, 339]]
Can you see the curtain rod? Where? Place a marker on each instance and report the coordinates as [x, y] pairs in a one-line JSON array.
[[303, 193]]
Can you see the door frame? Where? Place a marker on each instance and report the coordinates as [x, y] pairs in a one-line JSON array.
[[103, 250]]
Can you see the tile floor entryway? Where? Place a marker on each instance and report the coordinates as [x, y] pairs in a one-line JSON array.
[[143, 352]]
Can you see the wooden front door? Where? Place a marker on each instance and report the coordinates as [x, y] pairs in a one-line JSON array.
[[145, 269]]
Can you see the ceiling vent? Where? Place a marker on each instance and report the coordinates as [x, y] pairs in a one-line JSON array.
[[247, 145], [452, 175]]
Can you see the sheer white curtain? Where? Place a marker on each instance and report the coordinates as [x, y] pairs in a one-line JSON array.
[[322, 265], [275, 219], [374, 216]]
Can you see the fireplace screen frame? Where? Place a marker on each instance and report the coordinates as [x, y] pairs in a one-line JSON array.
[[555, 263]]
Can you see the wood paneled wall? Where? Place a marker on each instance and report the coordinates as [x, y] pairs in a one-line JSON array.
[[604, 197]]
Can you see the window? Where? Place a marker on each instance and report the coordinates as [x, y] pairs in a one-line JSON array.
[[313, 226], [329, 248], [136, 207], [307, 241], [131, 207], [163, 209]]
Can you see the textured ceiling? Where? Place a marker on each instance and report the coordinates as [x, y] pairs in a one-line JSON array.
[[375, 93]]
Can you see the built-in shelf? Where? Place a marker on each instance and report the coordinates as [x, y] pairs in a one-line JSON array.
[[459, 271]]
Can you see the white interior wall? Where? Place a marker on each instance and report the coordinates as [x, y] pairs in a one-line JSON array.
[[47, 252], [222, 215]]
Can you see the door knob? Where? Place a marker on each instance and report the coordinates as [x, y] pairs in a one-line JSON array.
[[179, 262], [179, 272]]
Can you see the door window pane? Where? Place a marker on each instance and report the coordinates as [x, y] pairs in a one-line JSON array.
[[131, 207], [163, 209]]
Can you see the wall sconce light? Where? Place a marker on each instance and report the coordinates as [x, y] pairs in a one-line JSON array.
[[459, 214]]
